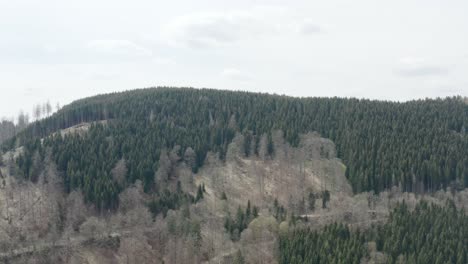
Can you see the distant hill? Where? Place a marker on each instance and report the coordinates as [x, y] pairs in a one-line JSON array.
[[181, 175], [417, 145]]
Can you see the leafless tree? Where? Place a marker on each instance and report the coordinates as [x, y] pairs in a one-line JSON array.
[[174, 155], [151, 116], [37, 112], [190, 157], [131, 198], [165, 167], [135, 249], [235, 148], [76, 211], [263, 148], [232, 122], [48, 108], [93, 227], [23, 120], [119, 172], [44, 109]]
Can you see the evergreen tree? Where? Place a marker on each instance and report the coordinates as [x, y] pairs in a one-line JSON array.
[[325, 198], [418, 145], [311, 201]]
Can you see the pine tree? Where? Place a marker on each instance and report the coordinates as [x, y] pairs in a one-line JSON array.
[[311, 201], [248, 211], [223, 196], [325, 198], [199, 194]]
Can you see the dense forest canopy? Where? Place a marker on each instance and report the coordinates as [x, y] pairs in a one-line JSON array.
[[429, 234], [419, 145]]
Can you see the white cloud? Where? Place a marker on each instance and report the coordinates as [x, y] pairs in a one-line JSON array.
[[202, 30], [224, 28]]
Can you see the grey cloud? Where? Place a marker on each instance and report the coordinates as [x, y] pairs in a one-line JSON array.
[[215, 31], [309, 28], [202, 30], [416, 67], [206, 30]]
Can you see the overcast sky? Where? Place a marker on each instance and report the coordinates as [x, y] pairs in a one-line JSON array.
[[398, 50]]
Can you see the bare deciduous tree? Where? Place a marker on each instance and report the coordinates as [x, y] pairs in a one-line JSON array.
[[119, 172], [235, 148], [190, 157], [232, 122], [131, 197], [93, 227], [165, 167], [76, 211], [37, 112], [263, 148], [174, 154], [23, 120], [48, 108]]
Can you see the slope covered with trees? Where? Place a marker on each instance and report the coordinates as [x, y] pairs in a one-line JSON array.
[[419, 145], [335, 244], [429, 234]]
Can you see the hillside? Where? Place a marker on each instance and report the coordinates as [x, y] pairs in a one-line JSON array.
[[180, 175], [418, 145]]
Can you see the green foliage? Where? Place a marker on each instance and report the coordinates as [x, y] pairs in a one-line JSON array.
[[335, 244], [235, 226], [167, 200], [270, 146], [279, 212], [325, 198], [311, 201], [182, 225], [86, 162], [199, 193], [418, 145], [30, 161], [223, 196], [255, 212], [429, 234]]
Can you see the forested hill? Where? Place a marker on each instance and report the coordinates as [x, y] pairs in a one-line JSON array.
[[420, 145]]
